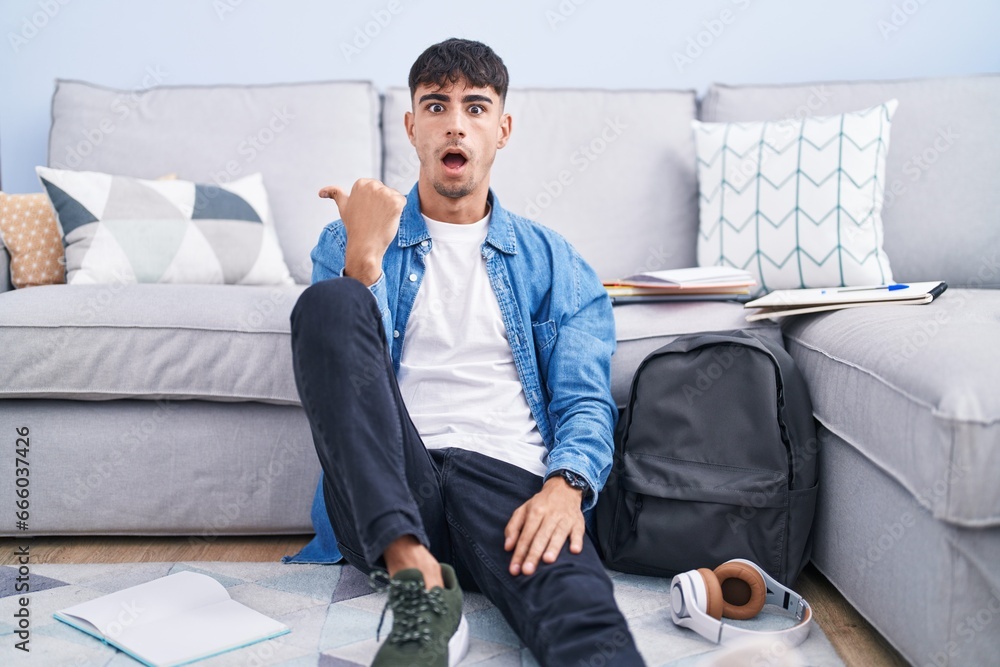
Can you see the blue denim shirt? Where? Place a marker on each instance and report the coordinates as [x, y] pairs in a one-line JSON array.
[[556, 312]]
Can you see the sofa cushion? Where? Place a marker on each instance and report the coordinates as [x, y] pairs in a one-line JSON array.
[[940, 196], [299, 136], [96, 342], [228, 342], [612, 171], [913, 388], [30, 232]]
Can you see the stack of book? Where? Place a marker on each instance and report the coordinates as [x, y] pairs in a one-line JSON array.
[[700, 283]]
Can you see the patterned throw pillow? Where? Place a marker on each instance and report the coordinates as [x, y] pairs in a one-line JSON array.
[[30, 232], [797, 203], [118, 229]]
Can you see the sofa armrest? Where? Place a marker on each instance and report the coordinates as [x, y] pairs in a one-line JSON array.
[[4, 269]]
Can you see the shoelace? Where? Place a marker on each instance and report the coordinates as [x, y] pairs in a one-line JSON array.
[[408, 600]]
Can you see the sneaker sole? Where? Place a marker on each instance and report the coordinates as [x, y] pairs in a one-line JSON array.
[[458, 645]]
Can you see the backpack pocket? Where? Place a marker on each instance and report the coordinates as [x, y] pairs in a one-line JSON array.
[[675, 515]]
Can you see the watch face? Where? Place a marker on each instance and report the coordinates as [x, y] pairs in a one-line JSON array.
[[575, 480]]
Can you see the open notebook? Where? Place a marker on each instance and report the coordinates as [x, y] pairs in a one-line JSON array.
[[173, 620]]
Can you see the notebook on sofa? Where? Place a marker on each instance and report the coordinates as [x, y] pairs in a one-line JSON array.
[[781, 303], [691, 279], [173, 620]]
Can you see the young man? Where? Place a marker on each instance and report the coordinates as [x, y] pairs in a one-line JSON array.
[[454, 363]]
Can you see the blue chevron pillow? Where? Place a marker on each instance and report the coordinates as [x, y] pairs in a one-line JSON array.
[[796, 202], [118, 229]]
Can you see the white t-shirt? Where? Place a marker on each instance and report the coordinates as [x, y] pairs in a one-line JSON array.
[[457, 373]]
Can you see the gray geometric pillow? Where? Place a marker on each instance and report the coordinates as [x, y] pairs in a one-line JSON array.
[[118, 229], [796, 202]]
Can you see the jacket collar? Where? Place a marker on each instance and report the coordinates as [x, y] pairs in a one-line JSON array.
[[413, 229]]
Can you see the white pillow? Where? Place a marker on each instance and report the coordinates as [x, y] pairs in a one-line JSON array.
[[796, 202], [118, 229]]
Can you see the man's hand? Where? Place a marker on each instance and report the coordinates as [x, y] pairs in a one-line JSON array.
[[371, 218], [539, 527]]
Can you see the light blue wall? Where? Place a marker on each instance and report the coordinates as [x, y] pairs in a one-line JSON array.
[[593, 43]]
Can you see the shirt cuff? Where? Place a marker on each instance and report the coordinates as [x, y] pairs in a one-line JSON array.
[[375, 287]]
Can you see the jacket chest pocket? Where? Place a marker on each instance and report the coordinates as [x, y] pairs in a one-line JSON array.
[[544, 335]]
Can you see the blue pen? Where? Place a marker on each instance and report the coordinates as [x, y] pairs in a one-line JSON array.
[[891, 288]]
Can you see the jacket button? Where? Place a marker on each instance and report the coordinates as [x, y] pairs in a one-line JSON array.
[[395, 333], [413, 277], [423, 243]]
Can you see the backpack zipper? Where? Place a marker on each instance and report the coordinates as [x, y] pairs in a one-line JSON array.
[[782, 428], [635, 514]]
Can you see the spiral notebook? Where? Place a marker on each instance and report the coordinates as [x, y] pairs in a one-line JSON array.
[[782, 303]]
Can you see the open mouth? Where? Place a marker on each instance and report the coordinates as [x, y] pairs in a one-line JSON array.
[[454, 161]]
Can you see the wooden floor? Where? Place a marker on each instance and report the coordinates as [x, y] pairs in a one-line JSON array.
[[855, 640]]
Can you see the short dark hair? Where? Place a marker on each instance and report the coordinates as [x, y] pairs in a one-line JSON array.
[[455, 59]]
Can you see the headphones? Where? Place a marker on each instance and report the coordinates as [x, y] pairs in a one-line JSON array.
[[737, 589]]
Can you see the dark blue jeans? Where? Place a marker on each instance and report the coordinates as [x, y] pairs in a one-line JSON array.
[[382, 483]]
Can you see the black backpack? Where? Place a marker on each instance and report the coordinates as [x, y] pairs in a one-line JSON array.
[[715, 458]]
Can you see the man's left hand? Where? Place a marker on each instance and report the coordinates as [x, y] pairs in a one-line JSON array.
[[538, 529]]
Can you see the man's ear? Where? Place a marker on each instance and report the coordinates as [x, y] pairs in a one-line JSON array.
[[408, 123], [503, 130]]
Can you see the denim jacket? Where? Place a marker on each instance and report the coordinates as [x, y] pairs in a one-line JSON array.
[[556, 313]]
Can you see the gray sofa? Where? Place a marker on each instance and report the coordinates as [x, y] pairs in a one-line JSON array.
[[172, 410]]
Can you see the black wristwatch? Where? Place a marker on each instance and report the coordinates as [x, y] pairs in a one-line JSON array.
[[574, 480]]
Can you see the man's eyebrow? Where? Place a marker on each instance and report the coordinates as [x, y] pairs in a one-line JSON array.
[[440, 97], [477, 98]]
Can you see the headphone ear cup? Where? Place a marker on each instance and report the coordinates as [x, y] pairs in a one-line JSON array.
[[714, 604], [742, 590]]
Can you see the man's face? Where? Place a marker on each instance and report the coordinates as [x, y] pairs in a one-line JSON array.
[[457, 130]]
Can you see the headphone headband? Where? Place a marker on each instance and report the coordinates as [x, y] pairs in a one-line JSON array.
[[689, 600]]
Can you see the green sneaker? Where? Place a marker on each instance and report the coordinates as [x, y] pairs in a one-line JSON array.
[[428, 628]]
